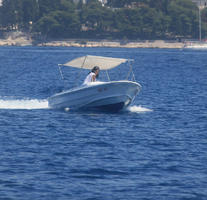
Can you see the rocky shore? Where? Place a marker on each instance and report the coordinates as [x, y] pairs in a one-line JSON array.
[[16, 39], [140, 44], [19, 39]]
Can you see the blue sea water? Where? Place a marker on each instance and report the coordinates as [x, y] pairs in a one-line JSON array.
[[155, 150]]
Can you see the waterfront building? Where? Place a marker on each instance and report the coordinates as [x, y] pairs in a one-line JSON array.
[[85, 1], [201, 3]]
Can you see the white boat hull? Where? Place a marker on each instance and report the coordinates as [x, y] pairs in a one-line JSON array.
[[114, 96]]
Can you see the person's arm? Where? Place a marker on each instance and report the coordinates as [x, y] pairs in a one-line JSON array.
[[93, 79]]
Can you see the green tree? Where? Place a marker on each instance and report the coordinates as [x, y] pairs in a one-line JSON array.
[[58, 24], [28, 13], [96, 19], [128, 23], [204, 23], [16, 14], [133, 19], [9, 14], [183, 15]]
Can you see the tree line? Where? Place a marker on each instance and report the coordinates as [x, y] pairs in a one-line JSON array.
[[118, 19]]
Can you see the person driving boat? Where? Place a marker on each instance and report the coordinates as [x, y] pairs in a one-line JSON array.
[[91, 77]]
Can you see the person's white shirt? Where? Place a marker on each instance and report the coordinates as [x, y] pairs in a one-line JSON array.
[[88, 78]]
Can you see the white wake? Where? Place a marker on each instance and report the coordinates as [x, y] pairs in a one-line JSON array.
[[28, 104], [138, 109], [31, 104]]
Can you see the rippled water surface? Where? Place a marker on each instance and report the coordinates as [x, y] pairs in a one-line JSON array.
[[157, 149]]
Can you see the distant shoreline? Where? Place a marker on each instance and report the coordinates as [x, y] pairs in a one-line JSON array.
[[25, 41], [115, 44]]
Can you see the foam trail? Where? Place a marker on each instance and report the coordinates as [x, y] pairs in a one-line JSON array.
[[138, 109], [28, 104]]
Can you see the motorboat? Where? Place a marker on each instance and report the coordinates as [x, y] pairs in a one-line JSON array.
[[199, 44], [196, 45], [110, 95]]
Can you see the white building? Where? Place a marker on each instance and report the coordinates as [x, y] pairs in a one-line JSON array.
[[85, 1], [103, 1], [200, 3]]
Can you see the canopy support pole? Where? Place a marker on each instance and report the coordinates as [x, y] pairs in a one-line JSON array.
[[130, 70], [108, 75], [84, 61], [78, 77], [133, 76], [61, 74]]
